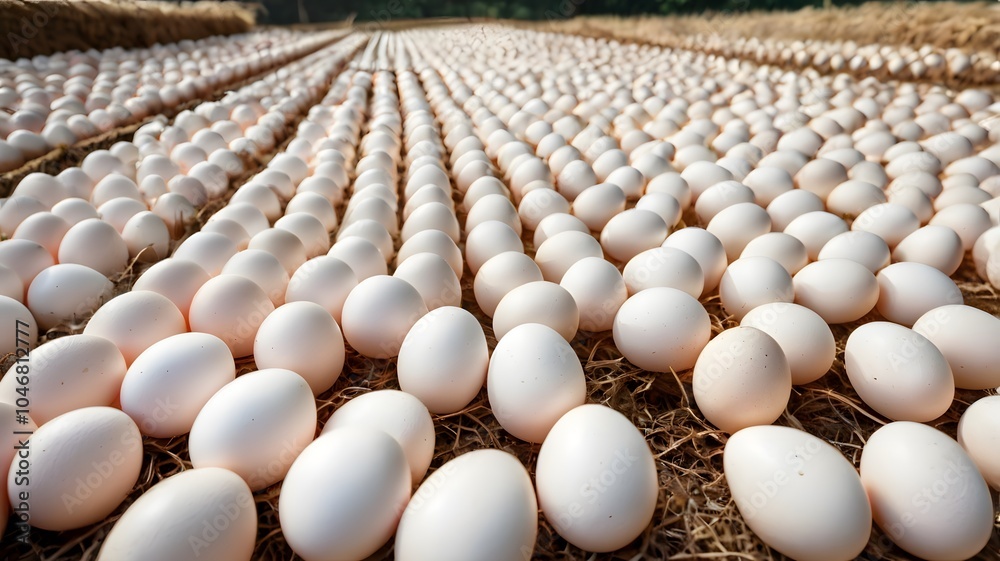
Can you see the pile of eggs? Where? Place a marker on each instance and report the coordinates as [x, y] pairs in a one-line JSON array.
[[64, 98], [578, 185]]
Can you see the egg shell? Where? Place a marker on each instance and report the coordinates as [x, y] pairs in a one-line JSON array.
[[45, 229], [489, 239], [168, 384], [789, 205], [433, 241], [754, 281], [378, 313], [534, 378], [176, 279], [741, 379], [890, 221], [66, 374], [284, 245], [719, 196], [83, 465], [815, 229], [398, 414], [135, 320], [862, 247], [909, 290], [596, 479], [500, 275], [302, 337], [788, 484], [343, 496], [209, 250], [661, 329], [926, 493], [363, 256], [310, 231], [782, 247], [146, 235], [479, 505], [323, 280], [541, 302], [436, 216], [443, 359], [596, 205], [937, 246], [965, 336], [232, 308], [255, 426], [979, 435], [664, 266], [969, 221], [66, 292], [599, 291], [802, 334], [79, 243], [839, 290], [561, 251], [262, 268], [557, 223], [737, 225], [898, 372], [537, 204], [208, 511], [706, 248], [631, 232]]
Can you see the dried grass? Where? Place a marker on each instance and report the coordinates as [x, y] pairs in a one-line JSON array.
[[42, 27]]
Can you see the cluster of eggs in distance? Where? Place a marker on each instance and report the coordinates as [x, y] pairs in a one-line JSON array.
[[565, 194], [61, 99]]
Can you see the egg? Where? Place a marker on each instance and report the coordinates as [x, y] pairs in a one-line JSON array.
[[398, 414], [176, 279], [735, 226], [782, 247], [802, 334], [664, 266], [753, 281], [78, 245], [487, 240], [598, 289], [323, 280], [661, 329], [302, 337], [631, 232], [209, 250], [537, 204], [82, 466], [561, 251], [232, 308], [344, 495], [363, 256], [433, 241], [969, 221], [284, 245], [898, 372], [965, 336], [534, 378], [595, 466], [443, 359], [890, 221], [66, 292], [978, 433], [135, 320], [741, 379], [44, 228], [68, 373], [168, 384], [707, 250], [596, 205], [926, 493], [378, 313], [541, 302], [788, 484], [909, 290], [208, 511], [839, 290], [436, 216], [262, 268], [859, 246], [255, 426], [815, 229], [480, 501]]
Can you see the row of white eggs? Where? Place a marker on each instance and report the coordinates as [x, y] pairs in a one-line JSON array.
[[63, 111]]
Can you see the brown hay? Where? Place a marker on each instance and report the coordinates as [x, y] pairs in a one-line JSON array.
[[42, 27]]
